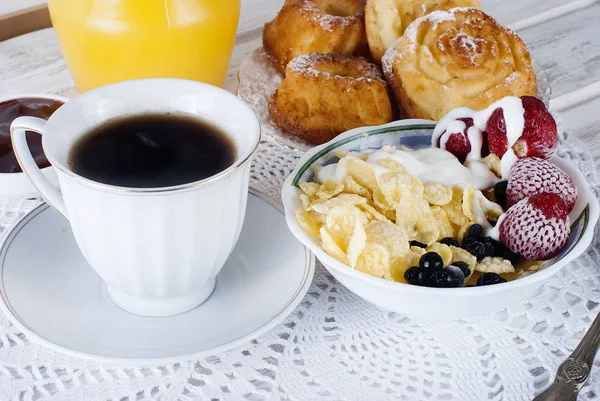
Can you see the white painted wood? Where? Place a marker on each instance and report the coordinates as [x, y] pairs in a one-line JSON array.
[[33, 63], [255, 13], [568, 48], [576, 97], [510, 11], [538, 18], [583, 121]]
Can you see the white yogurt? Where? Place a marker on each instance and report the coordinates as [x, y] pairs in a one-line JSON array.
[[494, 233], [427, 164]]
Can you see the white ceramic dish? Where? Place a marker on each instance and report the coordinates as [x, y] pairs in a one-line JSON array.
[[258, 79], [53, 296], [424, 302], [17, 185]]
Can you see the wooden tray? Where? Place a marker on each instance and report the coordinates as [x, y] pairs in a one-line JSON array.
[[24, 21]]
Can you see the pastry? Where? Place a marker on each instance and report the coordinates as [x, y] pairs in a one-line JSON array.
[[386, 20], [307, 26], [323, 95], [456, 58]]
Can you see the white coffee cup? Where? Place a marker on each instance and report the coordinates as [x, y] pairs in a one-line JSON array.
[[159, 250]]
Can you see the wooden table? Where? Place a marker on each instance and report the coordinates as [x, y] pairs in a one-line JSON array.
[[563, 35]]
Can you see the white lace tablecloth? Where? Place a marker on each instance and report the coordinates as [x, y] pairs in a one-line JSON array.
[[335, 346]]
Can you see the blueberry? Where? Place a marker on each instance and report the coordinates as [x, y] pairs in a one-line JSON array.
[[492, 246], [414, 275], [464, 267], [489, 279], [475, 248], [504, 253], [500, 192], [474, 231], [419, 244], [468, 240], [507, 254], [449, 241], [456, 275], [431, 261], [447, 278]]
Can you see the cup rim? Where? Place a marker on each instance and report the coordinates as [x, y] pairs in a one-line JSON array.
[[240, 162]]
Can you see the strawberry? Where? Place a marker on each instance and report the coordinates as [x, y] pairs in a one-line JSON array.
[[532, 175], [539, 138], [458, 143], [536, 227]]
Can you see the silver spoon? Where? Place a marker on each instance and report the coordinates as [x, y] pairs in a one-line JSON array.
[[575, 370]]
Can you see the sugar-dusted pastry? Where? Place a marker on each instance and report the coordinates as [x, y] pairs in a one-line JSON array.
[[307, 26], [323, 95], [386, 20], [455, 58]]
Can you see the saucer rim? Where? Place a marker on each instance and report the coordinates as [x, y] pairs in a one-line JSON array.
[[35, 338]]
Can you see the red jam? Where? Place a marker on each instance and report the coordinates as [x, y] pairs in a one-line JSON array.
[[11, 109]]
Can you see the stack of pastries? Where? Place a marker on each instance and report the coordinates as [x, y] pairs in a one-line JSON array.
[[344, 61]]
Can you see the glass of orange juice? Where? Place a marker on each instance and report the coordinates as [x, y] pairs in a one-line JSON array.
[[106, 41]]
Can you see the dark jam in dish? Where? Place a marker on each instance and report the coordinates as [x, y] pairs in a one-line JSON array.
[[11, 109]]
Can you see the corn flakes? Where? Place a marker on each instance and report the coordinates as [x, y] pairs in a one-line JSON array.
[[310, 188], [453, 208], [477, 207], [392, 165], [494, 265], [360, 171], [389, 235], [330, 246], [444, 225], [443, 250], [352, 187], [414, 215], [437, 194], [367, 220], [307, 223], [493, 162], [329, 189], [374, 260], [342, 201]]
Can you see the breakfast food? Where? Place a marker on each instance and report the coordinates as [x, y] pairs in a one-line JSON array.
[[456, 58], [386, 20], [323, 95], [309, 26], [425, 217], [518, 134], [536, 227], [538, 137], [531, 175], [11, 109]]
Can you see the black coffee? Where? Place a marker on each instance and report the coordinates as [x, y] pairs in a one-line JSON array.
[[151, 151]]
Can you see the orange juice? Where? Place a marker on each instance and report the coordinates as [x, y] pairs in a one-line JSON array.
[[106, 41]]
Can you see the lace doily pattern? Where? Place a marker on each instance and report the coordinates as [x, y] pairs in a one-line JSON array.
[[335, 346]]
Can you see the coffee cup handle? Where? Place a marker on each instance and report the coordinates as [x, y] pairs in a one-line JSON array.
[[19, 141]]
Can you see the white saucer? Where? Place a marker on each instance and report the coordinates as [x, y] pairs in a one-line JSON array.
[[50, 292]]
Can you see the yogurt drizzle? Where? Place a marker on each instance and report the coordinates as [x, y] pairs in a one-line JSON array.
[[514, 116]]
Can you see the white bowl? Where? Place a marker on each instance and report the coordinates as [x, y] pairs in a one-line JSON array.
[[17, 185], [425, 302]]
